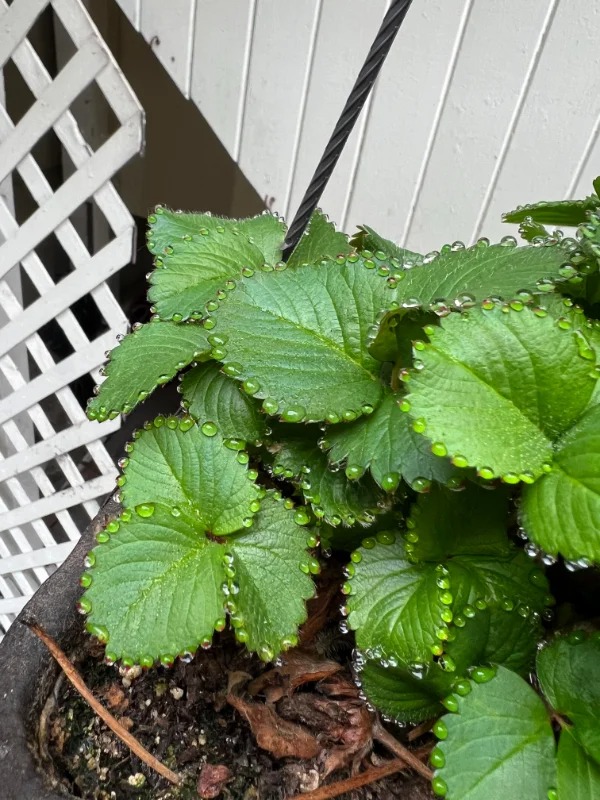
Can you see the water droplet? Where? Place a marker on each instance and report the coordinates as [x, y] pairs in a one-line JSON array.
[[354, 472], [293, 414], [483, 674], [390, 481], [144, 510], [440, 730], [251, 386], [439, 449], [439, 786], [451, 703], [301, 516], [462, 687], [487, 473]]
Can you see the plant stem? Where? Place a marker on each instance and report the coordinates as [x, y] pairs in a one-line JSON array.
[[115, 726]]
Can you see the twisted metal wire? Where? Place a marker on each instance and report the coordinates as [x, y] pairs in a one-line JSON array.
[[356, 100]]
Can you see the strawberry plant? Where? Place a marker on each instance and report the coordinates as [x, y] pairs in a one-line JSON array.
[[433, 417]]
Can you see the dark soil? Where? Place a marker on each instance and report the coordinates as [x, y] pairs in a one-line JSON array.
[[182, 715]]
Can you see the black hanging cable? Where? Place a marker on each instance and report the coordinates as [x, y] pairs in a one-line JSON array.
[[364, 83]]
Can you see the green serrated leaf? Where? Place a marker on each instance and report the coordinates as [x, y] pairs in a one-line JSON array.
[[189, 468], [394, 606], [578, 776], [332, 496], [494, 389], [394, 335], [192, 271], [272, 583], [318, 242], [146, 358], [556, 212], [500, 743], [385, 443], [471, 522], [530, 230], [168, 228], [213, 398], [460, 278], [561, 511], [367, 239], [159, 584], [569, 675], [298, 336]]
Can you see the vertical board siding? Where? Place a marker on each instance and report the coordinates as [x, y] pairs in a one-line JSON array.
[[220, 65], [339, 53], [276, 81], [403, 114], [169, 28], [561, 112], [480, 105]]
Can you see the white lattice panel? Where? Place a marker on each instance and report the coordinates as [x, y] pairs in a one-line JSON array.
[[53, 466]]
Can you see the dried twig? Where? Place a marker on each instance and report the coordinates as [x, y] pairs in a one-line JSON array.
[[400, 751], [347, 785], [115, 726], [420, 730]]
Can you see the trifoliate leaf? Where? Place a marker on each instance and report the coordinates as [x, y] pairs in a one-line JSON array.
[[211, 397], [569, 675], [461, 278], [385, 443], [556, 212], [471, 522], [146, 358], [500, 743], [193, 271], [578, 776], [177, 463], [367, 239], [333, 497], [299, 337], [493, 390], [168, 228], [319, 241], [561, 511], [158, 583]]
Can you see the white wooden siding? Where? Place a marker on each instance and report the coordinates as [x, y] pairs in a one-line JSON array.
[[480, 105], [46, 494]]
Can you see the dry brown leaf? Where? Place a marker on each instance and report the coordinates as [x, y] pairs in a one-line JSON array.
[[275, 734], [298, 668], [212, 779]]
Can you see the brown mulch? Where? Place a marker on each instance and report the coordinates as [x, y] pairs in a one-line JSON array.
[[231, 726]]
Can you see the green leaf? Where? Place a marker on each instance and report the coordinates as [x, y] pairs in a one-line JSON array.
[[561, 511], [319, 241], [176, 464], [392, 338], [500, 743], [270, 566], [569, 675], [471, 522], [557, 212], [461, 278], [196, 271], [367, 239], [385, 443], [298, 338], [493, 389], [168, 228], [578, 776], [531, 230], [146, 358], [211, 397], [158, 586], [332, 496], [464, 609], [394, 605]]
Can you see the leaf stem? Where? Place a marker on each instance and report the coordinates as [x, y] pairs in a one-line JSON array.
[[400, 751], [75, 678]]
